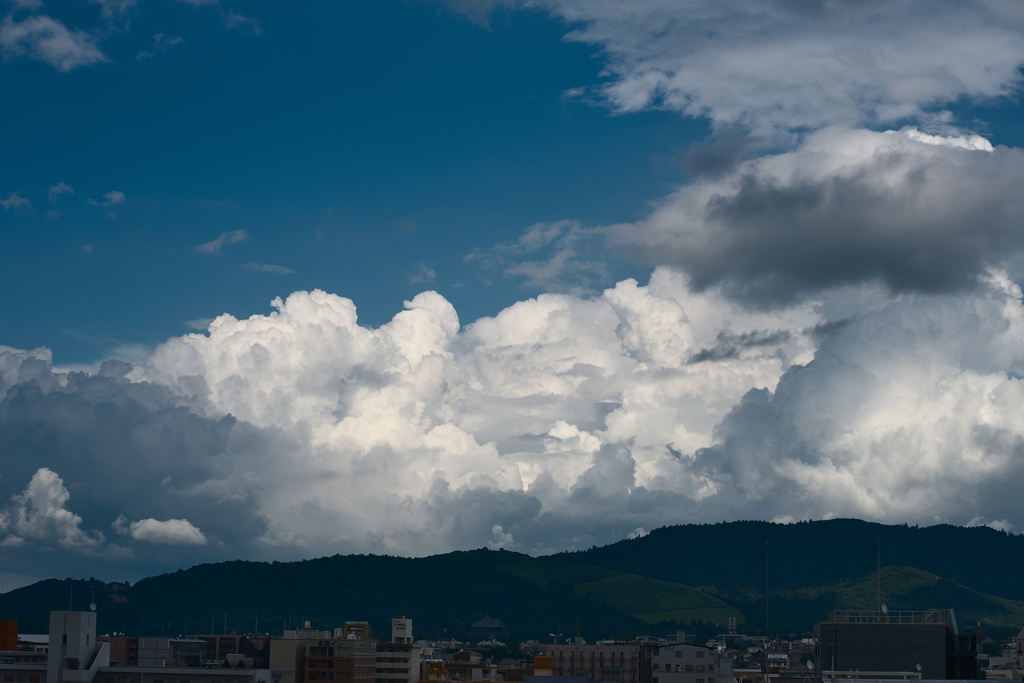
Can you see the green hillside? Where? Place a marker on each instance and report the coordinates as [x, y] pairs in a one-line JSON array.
[[647, 585], [649, 600]]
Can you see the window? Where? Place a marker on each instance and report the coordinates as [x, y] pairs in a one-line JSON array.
[[700, 680], [700, 667], [700, 654], [689, 667], [679, 653]]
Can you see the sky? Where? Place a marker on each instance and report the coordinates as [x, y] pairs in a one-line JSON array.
[[410, 276]]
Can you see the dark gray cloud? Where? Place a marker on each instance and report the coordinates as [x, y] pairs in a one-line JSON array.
[[730, 345], [127, 449], [915, 212]]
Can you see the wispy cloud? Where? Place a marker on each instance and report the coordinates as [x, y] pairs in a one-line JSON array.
[[558, 256], [112, 198], [199, 323], [57, 190], [15, 201], [231, 237], [424, 274], [161, 44], [48, 40], [237, 21], [269, 268], [114, 10]]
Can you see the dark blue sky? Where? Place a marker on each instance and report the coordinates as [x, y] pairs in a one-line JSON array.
[[356, 142]]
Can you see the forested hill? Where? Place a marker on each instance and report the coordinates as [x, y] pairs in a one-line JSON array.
[[691, 577], [732, 555]]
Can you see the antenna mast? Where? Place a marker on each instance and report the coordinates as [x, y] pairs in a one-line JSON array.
[[766, 632], [879, 574]]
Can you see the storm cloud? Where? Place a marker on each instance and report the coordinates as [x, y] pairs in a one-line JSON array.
[[916, 212]]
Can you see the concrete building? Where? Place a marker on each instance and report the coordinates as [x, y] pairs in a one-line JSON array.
[[610, 661], [401, 630], [77, 656], [682, 663], [340, 660], [887, 644], [181, 652], [124, 651], [357, 630]]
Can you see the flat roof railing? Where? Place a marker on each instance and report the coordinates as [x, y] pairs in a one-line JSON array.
[[859, 616]]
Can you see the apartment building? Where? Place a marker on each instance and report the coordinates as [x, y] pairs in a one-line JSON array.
[[609, 661]]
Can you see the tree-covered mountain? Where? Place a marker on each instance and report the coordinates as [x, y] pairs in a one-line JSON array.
[[730, 558], [690, 577]]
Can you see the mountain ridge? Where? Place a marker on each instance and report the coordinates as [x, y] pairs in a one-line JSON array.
[[690, 577]]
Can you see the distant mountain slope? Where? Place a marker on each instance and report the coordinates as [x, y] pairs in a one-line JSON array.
[[443, 594], [649, 600], [732, 555], [645, 585]]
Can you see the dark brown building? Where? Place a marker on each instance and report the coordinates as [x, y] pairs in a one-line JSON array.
[[340, 661]]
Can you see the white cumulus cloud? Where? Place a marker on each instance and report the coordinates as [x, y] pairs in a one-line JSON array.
[[168, 532], [39, 513]]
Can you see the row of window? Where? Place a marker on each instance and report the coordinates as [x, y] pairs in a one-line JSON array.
[[688, 667]]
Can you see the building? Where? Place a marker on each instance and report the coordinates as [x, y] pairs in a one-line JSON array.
[[488, 627], [124, 651], [397, 663], [152, 652], [888, 644], [76, 655], [341, 661], [8, 636], [609, 661], [401, 630], [323, 658], [682, 663], [399, 660]]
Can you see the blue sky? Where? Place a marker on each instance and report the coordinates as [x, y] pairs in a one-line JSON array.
[[411, 276], [357, 143]]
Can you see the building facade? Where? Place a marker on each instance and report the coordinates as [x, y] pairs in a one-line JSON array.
[[609, 661]]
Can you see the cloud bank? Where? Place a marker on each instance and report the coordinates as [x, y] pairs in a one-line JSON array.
[[561, 422]]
